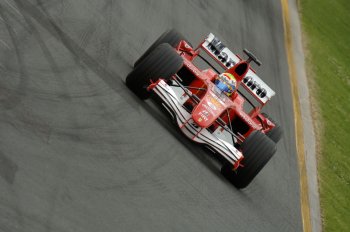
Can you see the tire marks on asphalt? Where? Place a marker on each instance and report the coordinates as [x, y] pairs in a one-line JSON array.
[[14, 97], [48, 23]]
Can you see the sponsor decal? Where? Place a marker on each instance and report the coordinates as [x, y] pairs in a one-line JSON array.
[[247, 119], [255, 86], [192, 68], [211, 105], [217, 48], [203, 116], [205, 113], [217, 102], [208, 108], [217, 99]]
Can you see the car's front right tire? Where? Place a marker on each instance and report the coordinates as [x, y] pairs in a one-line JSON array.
[[171, 37], [162, 62]]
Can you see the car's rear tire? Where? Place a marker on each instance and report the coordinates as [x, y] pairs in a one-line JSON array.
[[162, 62], [171, 37], [275, 133], [257, 150]]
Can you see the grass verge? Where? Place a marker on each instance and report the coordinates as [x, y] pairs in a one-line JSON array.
[[326, 26]]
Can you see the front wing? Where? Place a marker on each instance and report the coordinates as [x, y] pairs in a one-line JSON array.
[[220, 141]]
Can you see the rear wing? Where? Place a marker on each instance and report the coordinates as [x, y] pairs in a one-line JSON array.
[[227, 59]]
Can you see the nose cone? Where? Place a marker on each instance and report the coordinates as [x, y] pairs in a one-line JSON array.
[[202, 117], [207, 111]]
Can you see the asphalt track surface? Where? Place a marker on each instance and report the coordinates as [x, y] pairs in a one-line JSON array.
[[79, 152]]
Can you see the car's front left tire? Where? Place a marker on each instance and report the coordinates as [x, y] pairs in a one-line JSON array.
[[257, 150]]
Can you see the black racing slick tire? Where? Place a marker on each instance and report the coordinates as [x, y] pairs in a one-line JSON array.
[[275, 133], [171, 37], [163, 62], [257, 150]]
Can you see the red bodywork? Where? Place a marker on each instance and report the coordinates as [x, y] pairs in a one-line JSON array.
[[210, 107]]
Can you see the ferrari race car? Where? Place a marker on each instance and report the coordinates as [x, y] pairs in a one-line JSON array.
[[219, 109]]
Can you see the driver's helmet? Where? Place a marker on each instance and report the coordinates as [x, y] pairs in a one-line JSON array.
[[226, 83]]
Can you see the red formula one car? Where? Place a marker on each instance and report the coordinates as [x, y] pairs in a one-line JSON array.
[[211, 107]]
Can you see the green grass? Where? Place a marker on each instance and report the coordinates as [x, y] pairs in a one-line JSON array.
[[326, 26]]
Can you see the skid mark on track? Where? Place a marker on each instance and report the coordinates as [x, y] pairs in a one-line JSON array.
[[5, 44], [85, 39], [12, 6], [14, 97], [106, 40], [9, 173], [8, 168], [83, 42], [194, 149], [45, 21], [136, 181], [55, 193], [48, 55], [77, 52]]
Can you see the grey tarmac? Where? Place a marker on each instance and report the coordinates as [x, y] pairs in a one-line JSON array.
[[79, 152]]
